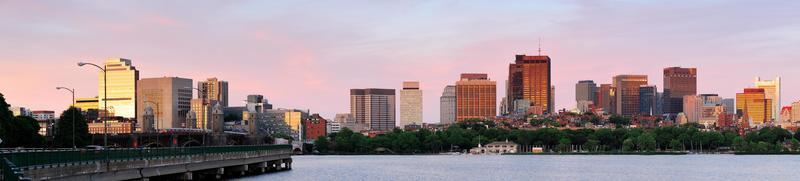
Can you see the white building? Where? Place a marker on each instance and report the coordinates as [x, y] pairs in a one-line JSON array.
[[410, 104], [772, 90], [497, 147]]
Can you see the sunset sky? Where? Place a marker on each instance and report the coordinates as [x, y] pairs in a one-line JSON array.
[[308, 54]]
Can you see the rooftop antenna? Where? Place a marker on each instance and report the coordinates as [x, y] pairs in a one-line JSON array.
[[540, 46]]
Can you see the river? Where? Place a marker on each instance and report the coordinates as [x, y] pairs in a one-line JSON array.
[[541, 167]]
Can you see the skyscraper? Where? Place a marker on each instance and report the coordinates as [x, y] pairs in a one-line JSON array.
[[752, 105], [476, 97], [772, 90], [585, 94], [168, 97], [606, 98], [678, 82], [529, 78], [796, 111], [447, 105], [627, 93], [410, 104], [122, 77], [374, 108], [214, 89], [648, 96]]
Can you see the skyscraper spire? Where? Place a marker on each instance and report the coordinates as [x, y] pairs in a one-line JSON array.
[[540, 46]]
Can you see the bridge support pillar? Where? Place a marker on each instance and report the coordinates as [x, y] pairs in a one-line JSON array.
[[220, 172], [187, 176], [241, 169]]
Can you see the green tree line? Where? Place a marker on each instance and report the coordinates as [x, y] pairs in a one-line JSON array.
[[23, 131], [467, 134]]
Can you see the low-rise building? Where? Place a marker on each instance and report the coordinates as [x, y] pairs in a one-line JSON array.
[[314, 127], [497, 147]]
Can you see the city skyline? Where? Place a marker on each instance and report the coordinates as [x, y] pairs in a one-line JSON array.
[[266, 55]]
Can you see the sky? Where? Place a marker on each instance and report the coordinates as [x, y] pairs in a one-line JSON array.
[[308, 54]]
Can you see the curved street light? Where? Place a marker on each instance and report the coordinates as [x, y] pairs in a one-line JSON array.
[[105, 101], [73, 113]]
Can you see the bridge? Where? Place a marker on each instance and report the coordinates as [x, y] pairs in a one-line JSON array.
[[182, 163]]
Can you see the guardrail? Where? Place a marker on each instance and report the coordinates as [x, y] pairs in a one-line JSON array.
[[13, 160]]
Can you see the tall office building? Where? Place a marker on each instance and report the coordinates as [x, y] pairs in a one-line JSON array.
[[214, 89], [410, 104], [476, 97], [530, 79], [772, 90], [122, 77], [447, 105], [606, 98], [678, 82], [753, 106], [701, 108], [168, 97], [648, 99], [627, 93], [202, 112], [585, 90], [373, 108]]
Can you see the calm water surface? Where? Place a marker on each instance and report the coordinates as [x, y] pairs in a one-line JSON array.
[[540, 167]]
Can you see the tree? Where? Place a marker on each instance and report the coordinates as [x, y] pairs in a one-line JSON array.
[[795, 144], [564, 145], [646, 142], [592, 145], [619, 120], [321, 144], [628, 145], [232, 117], [5, 117], [675, 145], [63, 133], [739, 144], [26, 133]]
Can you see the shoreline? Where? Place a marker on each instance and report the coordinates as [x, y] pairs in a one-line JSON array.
[[578, 153]]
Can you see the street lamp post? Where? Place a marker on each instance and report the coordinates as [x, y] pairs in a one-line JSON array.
[[73, 113], [105, 101]]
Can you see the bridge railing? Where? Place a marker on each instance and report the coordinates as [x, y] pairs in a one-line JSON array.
[[44, 157]]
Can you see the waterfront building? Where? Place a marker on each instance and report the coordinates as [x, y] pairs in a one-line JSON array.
[[45, 119], [753, 106], [772, 91], [213, 89], [20, 111], [122, 77], [333, 127], [346, 120], [476, 97], [585, 94], [606, 98], [202, 110], [41, 115], [529, 78], [374, 108], [730, 105], [410, 104], [447, 105], [702, 108], [678, 82], [786, 116], [293, 118], [168, 97], [627, 93], [114, 127], [497, 147], [314, 127], [87, 103], [796, 111], [648, 96]]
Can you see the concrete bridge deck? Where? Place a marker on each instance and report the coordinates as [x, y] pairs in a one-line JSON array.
[[145, 163]]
